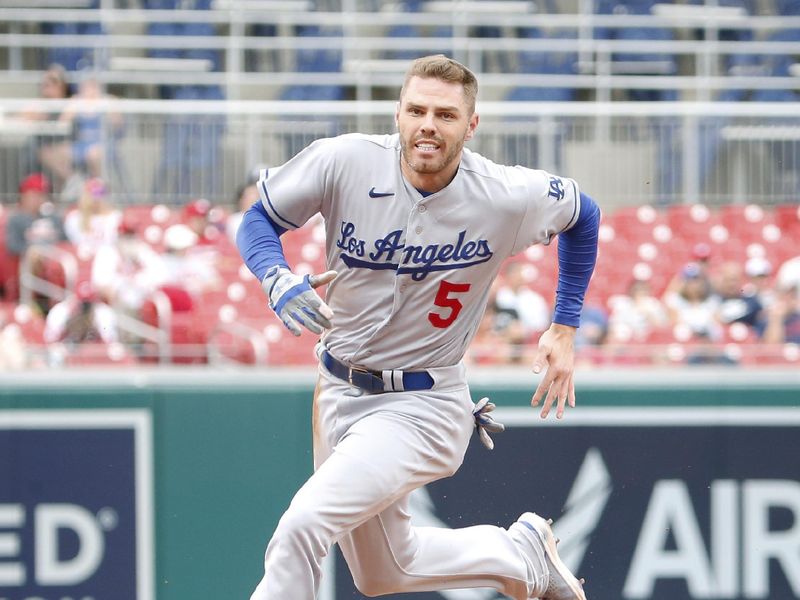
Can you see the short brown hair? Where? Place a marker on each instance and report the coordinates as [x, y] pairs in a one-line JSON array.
[[439, 66]]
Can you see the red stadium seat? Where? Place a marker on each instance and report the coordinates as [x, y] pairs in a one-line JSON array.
[[30, 321], [745, 220], [787, 217], [638, 224], [692, 222]]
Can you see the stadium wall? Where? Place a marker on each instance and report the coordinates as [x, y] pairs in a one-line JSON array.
[[168, 483]]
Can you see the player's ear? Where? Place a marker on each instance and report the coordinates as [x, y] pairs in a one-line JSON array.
[[473, 125], [397, 115]]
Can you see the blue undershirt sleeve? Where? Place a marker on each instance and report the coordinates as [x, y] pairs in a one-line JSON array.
[[258, 240], [577, 254]]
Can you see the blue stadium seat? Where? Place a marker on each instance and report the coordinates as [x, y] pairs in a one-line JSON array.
[[545, 62], [403, 31], [524, 150], [74, 58], [313, 92], [202, 29], [165, 29], [655, 63], [316, 60], [319, 60], [542, 94], [161, 4], [191, 151], [412, 5], [183, 29], [778, 65], [788, 7]]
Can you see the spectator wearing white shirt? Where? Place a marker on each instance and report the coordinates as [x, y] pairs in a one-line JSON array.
[[94, 222], [636, 314], [515, 295], [693, 305], [80, 318], [127, 272]]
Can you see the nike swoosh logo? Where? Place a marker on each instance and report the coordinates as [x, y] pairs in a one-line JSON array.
[[374, 194]]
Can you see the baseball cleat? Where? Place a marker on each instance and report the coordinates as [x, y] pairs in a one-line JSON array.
[[562, 583]]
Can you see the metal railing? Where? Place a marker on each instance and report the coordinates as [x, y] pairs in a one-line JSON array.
[[622, 153], [33, 286], [250, 62]]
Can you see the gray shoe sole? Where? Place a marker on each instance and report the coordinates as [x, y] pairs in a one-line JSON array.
[[542, 528]]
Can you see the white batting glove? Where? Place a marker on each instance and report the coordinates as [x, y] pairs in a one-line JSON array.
[[294, 300], [485, 423]]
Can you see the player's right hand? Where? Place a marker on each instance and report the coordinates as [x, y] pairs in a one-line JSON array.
[[294, 300]]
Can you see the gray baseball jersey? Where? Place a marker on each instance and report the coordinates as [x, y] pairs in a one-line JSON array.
[[414, 270]]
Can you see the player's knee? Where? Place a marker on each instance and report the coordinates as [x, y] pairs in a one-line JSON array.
[[301, 524], [372, 585], [377, 577]]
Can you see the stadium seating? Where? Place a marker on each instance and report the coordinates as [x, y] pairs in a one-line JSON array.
[[75, 58], [233, 324]]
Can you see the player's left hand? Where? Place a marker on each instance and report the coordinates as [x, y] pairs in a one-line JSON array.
[[485, 423], [556, 354]]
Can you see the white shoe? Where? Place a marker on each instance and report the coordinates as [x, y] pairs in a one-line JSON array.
[[562, 584]]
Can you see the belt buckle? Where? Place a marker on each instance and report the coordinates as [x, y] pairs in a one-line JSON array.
[[351, 370]]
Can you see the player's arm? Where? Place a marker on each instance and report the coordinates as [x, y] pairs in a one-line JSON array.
[[577, 254], [291, 297]]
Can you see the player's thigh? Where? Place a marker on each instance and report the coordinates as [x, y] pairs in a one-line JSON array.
[[381, 459]]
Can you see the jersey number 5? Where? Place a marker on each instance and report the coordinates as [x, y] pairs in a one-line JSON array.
[[445, 300]]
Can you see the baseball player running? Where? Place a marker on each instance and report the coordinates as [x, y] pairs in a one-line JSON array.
[[417, 228]]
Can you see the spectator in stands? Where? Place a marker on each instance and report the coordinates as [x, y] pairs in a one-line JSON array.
[[735, 303], [186, 268], [13, 349], [33, 226], [594, 327], [514, 295], [758, 271], [81, 317], [783, 317], [93, 127], [759, 285], [52, 150], [34, 222], [701, 259], [246, 196], [789, 274], [127, 272], [693, 305], [636, 314], [500, 337], [196, 216], [94, 222]]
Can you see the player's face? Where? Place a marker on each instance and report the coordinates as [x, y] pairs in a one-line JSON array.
[[434, 122]]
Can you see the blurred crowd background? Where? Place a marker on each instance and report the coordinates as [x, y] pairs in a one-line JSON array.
[[133, 132]]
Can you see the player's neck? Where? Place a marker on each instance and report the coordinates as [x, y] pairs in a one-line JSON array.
[[429, 183]]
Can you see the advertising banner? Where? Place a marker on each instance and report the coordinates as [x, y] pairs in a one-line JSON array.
[[656, 504], [76, 515]]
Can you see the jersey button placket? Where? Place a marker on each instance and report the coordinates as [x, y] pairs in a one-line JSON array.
[[421, 208]]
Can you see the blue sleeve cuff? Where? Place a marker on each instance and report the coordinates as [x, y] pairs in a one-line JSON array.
[[577, 255], [258, 240]]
